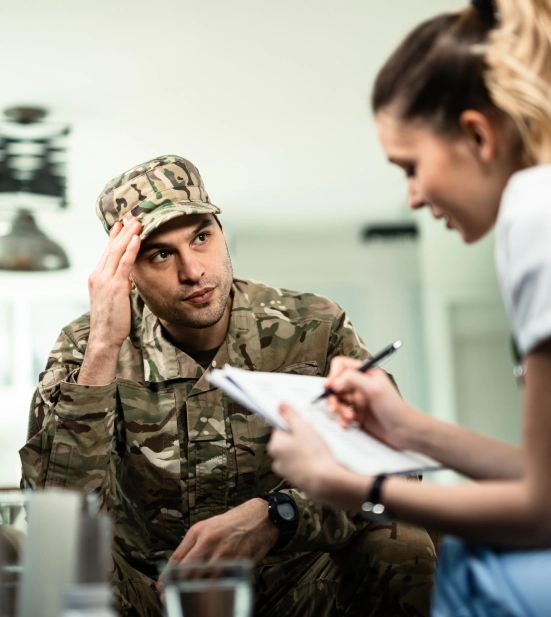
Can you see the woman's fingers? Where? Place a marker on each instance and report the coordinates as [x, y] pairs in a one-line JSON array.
[[368, 384], [346, 413], [356, 393], [290, 416], [281, 440], [341, 364], [276, 443]]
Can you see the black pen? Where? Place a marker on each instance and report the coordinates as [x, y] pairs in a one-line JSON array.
[[371, 363]]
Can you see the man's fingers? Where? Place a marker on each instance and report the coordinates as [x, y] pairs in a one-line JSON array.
[[115, 230], [118, 245], [203, 552], [185, 546], [182, 553], [129, 257]]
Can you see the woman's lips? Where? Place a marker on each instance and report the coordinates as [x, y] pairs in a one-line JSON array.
[[201, 297]]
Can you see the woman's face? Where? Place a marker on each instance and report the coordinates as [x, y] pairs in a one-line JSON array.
[[460, 179]]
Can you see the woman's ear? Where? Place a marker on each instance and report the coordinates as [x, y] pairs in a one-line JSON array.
[[480, 133]]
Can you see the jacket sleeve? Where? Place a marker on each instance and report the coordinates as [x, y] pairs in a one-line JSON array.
[[72, 428], [319, 528]]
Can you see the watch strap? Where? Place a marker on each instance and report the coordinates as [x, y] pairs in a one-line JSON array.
[[375, 492], [373, 509]]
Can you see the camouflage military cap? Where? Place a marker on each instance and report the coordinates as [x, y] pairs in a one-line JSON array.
[[154, 192]]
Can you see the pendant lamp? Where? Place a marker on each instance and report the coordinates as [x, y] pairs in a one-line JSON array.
[[26, 248], [32, 167]]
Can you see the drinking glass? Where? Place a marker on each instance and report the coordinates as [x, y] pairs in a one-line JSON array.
[[215, 589], [13, 529]]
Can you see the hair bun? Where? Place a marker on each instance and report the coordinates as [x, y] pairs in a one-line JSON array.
[[485, 6]]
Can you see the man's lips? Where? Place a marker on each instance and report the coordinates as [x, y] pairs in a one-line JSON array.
[[200, 297]]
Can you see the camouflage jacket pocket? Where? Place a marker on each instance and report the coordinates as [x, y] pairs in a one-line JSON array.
[[149, 473], [249, 464], [205, 416], [207, 478], [250, 438], [302, 368]]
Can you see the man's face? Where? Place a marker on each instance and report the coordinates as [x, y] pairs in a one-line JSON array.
[[184, 273]]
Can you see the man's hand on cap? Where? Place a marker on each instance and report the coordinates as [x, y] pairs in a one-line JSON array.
[[109, 286]]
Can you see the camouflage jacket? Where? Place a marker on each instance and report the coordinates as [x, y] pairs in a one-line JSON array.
[[162, 447]]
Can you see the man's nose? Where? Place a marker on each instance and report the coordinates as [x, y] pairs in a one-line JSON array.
[[190, 269]]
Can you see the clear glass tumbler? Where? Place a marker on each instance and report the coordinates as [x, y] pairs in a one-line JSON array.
[[215, 589], [13, 529]]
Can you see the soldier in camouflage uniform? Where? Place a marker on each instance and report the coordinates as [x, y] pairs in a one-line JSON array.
[[124, 409]]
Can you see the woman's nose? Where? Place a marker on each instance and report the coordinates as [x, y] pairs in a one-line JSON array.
[[415, 199]]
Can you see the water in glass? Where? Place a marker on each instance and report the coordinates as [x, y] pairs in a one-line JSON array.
[[218, 589]]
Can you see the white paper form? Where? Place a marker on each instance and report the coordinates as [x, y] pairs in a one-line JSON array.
[[353, 448]]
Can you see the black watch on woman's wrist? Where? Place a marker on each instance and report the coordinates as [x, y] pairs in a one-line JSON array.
[[373, 509], [283, 512]]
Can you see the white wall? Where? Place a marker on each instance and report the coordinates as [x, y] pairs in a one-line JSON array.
[[467, 337], [268, 99], [377, 283]]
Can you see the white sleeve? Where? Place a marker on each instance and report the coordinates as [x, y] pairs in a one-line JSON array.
[[523, 255]]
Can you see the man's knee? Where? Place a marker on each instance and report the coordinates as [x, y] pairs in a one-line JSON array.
[[392, 568], [135, 594]]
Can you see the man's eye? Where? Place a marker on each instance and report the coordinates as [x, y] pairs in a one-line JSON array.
[[201, 238], [160, 256], [410, 171]]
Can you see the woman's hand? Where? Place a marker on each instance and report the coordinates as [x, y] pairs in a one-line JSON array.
[[302, 457], [372, 400]]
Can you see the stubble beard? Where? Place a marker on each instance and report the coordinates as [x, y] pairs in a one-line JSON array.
[[172, 310]]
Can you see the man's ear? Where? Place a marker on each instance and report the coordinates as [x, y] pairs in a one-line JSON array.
[[481, 134]]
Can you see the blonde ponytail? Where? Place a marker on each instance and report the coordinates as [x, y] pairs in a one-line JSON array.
[[518, 77], [471, 60]]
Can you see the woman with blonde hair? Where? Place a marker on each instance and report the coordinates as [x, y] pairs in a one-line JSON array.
[[463, 106]]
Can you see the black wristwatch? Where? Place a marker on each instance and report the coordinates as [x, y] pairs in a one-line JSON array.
[[283, 513], [373, 509]]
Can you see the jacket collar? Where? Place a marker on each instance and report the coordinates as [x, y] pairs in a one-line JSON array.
[[162, 361]]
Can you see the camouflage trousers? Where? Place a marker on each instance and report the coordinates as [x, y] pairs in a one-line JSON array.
[[385, 571]]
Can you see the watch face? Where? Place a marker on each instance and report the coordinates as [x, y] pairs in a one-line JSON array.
[[286, 511]]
